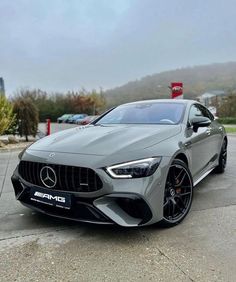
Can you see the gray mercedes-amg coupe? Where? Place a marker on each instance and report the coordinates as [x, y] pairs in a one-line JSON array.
[[135, 165]]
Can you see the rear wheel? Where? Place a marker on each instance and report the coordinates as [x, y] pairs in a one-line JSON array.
[[222, 158], [178, 194]]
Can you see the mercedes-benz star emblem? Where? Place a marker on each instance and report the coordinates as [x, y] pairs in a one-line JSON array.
[[48, 177]]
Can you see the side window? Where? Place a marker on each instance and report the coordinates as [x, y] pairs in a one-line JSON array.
[[194, 112], [206, 112]]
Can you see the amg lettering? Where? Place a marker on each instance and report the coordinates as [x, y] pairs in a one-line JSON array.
[[50, 197]]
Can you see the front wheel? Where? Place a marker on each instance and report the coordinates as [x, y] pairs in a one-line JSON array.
[[178, 194]]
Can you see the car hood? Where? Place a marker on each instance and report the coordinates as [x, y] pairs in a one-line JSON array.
[[105, 140]]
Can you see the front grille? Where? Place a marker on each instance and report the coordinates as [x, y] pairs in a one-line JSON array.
[[69, 178]]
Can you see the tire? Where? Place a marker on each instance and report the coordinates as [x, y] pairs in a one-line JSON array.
[[178, 194], [222, 159]]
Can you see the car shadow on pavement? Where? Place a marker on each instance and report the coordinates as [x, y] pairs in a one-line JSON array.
[[103, 232]]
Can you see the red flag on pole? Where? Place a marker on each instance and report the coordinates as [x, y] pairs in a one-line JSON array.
[[177, 90]]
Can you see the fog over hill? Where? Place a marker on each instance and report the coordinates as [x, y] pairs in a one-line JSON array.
[[197, 80]]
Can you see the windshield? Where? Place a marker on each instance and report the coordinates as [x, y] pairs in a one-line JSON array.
[[145, 113]]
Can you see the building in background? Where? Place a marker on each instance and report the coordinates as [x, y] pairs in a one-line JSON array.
[[212, 98], [2, 88]]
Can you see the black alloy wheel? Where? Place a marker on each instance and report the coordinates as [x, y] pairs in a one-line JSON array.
[[222, 158], [178, 194]]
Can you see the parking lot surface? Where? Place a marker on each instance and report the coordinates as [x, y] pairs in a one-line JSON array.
[[35, 247]]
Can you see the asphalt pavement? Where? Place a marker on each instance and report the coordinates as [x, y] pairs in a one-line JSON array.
[[35, 247]]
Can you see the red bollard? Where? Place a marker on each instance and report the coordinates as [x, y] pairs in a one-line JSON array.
[[48, 126]]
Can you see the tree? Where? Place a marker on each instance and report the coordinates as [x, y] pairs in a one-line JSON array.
[[228, 108], [27, 116], [98, 101], [6, 114], [91, 103], [53, 105]]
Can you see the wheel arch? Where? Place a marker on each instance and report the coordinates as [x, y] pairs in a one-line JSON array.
[[226, 139], [181, 156]]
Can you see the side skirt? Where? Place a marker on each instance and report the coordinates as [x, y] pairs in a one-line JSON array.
[[202, 177]]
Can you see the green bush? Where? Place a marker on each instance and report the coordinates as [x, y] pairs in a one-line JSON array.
[[12, 129], [6, 114], [227, 120]]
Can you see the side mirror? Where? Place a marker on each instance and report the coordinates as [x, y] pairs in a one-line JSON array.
[[200, 122]]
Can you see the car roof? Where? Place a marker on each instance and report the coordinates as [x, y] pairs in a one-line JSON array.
[[176, 101]]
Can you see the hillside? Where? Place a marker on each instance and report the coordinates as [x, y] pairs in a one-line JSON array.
[[197, 80]]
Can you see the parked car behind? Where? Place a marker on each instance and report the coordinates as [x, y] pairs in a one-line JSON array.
[[87, 120], [76, 118], [64, 118]]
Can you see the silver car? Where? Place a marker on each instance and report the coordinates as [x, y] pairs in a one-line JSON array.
[[135, 165]]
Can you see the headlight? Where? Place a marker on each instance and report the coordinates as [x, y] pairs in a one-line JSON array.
[[134, 169]]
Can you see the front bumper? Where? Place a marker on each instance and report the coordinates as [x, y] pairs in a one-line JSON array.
[[124, 209], [132, 202]]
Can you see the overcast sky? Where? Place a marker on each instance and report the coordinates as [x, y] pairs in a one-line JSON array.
[[60, 45]]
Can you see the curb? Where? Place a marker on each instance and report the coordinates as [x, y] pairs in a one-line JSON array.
[[20, 148], [10, 150]]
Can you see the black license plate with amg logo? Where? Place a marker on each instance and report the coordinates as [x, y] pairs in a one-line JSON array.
[[51, 198]]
